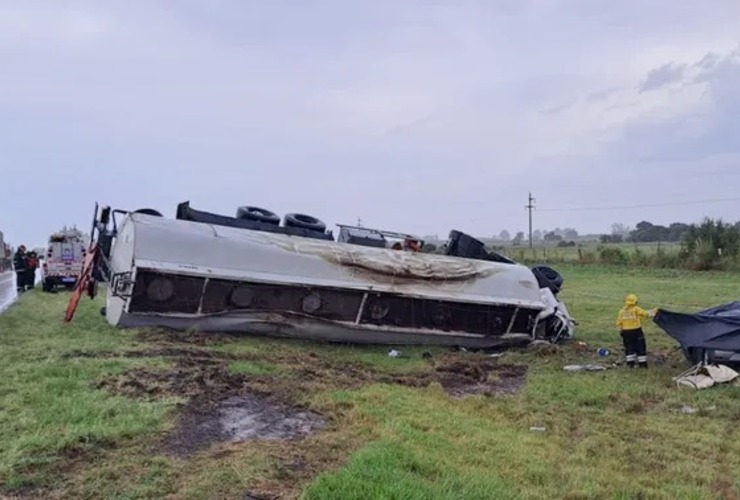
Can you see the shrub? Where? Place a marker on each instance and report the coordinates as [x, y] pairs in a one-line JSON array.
[[612, 256]]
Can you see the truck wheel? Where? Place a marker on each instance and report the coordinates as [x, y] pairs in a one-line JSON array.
[[257, 214], [305, 222], [548, 277], [47, 286]]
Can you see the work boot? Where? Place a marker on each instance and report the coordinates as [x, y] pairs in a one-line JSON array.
[[630, 364], [643, 364]]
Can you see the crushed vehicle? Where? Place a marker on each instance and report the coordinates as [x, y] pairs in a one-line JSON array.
[[708, 336], [62, 263], [252, 274]]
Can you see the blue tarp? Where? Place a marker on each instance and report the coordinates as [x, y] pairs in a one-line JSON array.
[[715, 328]]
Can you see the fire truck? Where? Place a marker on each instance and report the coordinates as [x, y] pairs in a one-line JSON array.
[[64, 257]]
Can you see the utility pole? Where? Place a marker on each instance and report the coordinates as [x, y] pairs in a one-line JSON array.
[[529, 207]]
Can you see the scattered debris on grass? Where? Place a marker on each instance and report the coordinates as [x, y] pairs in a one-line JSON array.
[[162, 335], [704, 376], [686, 409], [584, 368]]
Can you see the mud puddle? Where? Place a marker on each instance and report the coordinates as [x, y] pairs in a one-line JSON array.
[[243, 418], [239, 418]]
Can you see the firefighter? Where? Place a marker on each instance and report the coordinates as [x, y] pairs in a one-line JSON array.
[[20, 264], [629, 323]]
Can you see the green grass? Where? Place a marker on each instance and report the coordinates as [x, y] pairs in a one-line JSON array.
[[556, 254], [612, 434]]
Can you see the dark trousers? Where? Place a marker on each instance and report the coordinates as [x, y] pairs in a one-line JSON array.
[[30, 278], [20, 280], [635, 348]]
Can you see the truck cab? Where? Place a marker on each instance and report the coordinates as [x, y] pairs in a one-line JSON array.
[[64, 257]]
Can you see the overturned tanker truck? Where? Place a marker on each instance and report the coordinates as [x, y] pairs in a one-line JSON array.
[[208, 272]]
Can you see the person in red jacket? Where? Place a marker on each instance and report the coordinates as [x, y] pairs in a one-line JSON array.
[[20, 264], [32, 263]]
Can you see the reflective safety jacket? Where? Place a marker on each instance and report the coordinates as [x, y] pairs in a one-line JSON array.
[[630, 317]]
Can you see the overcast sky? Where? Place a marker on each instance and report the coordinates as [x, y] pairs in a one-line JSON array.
[[416, 116]]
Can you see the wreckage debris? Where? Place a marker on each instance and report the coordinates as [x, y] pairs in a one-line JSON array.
[[703, 377], [584, 368], [295, 280], [708, 336]]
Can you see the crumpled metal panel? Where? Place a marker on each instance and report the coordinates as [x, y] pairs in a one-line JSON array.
[[307, 328]]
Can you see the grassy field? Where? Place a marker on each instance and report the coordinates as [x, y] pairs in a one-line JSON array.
[[87, 411], [589, 252]]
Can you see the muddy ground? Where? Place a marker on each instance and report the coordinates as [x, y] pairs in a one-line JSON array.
[[224, 407], [217, 395]]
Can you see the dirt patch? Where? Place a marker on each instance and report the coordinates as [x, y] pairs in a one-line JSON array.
[[223, 404], [188, 337], [191, 377], [461, 378], [156, 352], [459, 374], [270, 414]]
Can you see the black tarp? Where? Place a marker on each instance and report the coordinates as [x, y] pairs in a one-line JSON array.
[[715, 328]]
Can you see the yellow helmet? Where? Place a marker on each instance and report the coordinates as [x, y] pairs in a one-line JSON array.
[[631, 299]]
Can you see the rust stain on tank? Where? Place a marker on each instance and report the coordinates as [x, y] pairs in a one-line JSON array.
[[390, 266]]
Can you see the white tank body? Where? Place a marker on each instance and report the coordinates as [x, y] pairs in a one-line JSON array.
[[155, 246]]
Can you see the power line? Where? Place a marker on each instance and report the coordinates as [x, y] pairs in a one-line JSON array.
[[647, 205]]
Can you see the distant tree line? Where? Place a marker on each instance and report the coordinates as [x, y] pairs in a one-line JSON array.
[[539, 235], [646, 232], [711, 244]]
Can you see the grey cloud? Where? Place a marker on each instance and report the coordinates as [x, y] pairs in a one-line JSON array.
[[690, 137], [662, 76], [283, 104]]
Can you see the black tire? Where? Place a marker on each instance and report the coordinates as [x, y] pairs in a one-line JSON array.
[[304, 221], [47, 286], [257, 214], [548, 277], [148, 211]]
